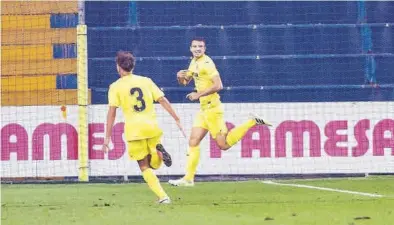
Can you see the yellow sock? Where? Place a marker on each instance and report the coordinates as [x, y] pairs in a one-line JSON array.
[[238, 132], [155, 160], [192, 163], [153, 183]]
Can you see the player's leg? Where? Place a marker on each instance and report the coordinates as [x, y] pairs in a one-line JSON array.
[[217, 127], [193, 158], [226, 140], [193, 154], [199, 131], [158, 153], [138, 150], [165, 156], [153, 182]]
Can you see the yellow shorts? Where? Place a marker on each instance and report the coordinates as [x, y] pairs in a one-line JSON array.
[[211, 119], [139, 149]]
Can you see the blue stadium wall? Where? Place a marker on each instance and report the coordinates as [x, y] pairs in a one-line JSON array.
[[265, 51]]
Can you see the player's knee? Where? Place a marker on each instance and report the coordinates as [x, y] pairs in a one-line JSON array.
[[221, 141], [143, 168], [222, 145], [155, 161], [143, 164], [194, 141]]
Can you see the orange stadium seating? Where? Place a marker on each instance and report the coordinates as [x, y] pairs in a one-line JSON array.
[[29, 66]]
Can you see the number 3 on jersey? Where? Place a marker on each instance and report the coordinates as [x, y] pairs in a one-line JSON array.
[[140, 106]]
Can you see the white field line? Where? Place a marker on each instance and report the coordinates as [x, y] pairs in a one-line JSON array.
[[324, 189]]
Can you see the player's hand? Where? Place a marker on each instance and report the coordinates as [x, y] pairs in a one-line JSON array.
[[182, 78], [105, 147], [178, 123], [193, 96], [181, 74]]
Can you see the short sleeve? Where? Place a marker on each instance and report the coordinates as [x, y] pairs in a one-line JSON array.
[[156, 92], [210, 69], [113, 98]]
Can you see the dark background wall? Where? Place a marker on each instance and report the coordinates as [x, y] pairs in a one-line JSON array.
[[299, 51]]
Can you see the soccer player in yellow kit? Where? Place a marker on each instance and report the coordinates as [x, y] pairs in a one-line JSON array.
[[210, 117], [135, 95]]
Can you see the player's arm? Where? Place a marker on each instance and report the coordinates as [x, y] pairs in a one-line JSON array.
[[113, 102], [111, 115], [215, 87], [158, 96], [168, 107]]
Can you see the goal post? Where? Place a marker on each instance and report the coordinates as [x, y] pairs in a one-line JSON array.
[[82, 68]]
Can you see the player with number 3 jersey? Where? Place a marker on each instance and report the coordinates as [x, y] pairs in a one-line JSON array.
[[135, 95]]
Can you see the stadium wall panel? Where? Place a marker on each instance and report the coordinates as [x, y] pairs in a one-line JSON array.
[[263, 151]]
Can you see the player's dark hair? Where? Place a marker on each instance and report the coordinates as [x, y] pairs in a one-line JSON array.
[[199, 39], [125, 60]]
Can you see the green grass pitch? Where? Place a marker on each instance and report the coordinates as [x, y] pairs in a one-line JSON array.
[[208, 203]]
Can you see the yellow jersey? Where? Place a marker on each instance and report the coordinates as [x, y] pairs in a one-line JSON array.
[[203, 70], [135, 95]]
